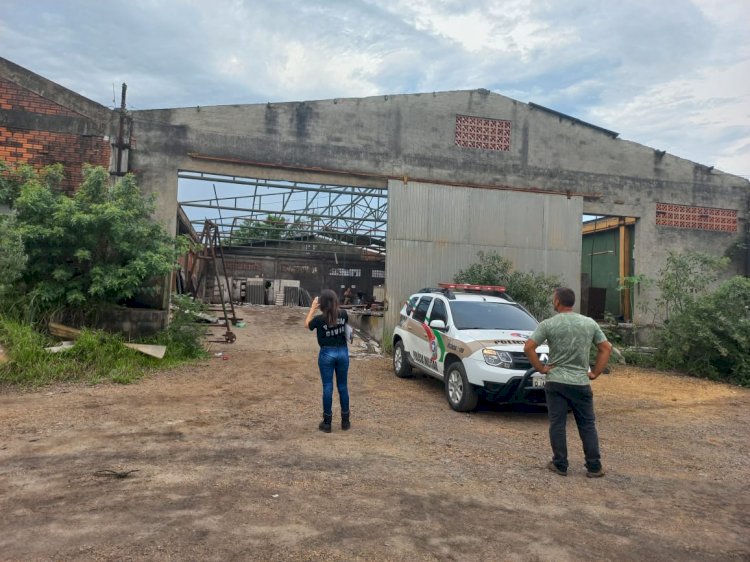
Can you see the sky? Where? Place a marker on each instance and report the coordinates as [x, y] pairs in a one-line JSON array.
[[670, 74]]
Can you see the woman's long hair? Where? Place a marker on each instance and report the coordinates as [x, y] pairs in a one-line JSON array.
[[329, 306]]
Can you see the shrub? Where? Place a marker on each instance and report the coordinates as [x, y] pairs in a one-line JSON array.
[[532, 290], [96, 356], [639, 358], [13, 258], [685, 277], [711, 336], [97, 247], [184, 336]]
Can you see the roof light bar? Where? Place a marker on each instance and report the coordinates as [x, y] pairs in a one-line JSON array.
[[471, 287]]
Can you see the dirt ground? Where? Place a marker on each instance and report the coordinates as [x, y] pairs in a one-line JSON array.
[[230, 465]]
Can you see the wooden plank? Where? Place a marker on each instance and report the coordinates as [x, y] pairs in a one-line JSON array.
[[624, 251], [67, 332], [62, 331], [157, 351]]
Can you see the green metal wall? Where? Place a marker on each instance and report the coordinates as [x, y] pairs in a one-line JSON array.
[[600, 259]]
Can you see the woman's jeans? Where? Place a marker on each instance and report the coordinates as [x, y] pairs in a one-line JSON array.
[[336, 359], [580, 399]]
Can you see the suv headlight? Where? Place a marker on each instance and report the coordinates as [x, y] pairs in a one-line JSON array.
[[497, 358]]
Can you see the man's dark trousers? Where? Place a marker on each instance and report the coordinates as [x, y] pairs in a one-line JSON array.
[[580, 399]]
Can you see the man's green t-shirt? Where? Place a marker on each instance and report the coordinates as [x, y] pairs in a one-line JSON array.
[[569, 336]]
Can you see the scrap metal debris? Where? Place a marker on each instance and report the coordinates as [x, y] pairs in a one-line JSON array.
[[114, 473]]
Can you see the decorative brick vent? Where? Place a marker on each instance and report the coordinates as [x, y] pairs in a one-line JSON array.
[[480, 132], [696, 218]]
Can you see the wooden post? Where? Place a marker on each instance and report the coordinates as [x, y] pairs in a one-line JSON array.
[[624, 268]]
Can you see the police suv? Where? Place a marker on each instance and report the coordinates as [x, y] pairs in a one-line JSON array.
[[471, 337]]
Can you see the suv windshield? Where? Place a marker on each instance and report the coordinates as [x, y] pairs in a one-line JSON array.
[[483, 315]]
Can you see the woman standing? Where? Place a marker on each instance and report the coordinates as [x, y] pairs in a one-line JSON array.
[[333, 356]]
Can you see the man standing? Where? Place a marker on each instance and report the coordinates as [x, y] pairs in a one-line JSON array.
[[569, 336]]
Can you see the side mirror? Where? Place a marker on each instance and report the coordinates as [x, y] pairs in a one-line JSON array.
[[437, 324]]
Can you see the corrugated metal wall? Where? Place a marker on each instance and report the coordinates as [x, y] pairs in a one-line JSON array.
[[436, 230]]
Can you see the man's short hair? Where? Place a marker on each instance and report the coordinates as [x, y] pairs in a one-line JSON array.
[[566, 296]]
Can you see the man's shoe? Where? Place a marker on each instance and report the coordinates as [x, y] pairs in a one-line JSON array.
[[551, 465], [595, 473], [345, 422]]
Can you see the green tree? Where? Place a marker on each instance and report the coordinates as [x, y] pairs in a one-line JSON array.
[[97, 247], [530, 289], [13, 178], [686, 276], [249, 231], [297, 228]]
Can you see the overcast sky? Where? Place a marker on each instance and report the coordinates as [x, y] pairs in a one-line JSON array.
[[670, 74]]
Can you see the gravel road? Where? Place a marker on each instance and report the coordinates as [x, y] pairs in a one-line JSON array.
[[229, 465]]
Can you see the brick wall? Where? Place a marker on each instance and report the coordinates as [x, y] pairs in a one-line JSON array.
[[43, 147]]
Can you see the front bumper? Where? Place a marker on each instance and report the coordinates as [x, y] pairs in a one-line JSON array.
[[517, 390], [504, 385]]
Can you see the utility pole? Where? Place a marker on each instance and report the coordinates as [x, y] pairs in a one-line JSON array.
[[121, 144]]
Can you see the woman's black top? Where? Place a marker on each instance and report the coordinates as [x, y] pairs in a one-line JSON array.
[[330, 336]]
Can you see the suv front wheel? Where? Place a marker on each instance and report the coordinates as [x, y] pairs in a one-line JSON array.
[[461, 394]]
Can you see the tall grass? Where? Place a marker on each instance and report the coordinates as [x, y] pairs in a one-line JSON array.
[[95, 357], [387, 343]]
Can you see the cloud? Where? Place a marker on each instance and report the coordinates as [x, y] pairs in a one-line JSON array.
[[669, 74], [704, 117]]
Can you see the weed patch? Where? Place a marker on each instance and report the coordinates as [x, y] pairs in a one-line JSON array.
[[95, 357]]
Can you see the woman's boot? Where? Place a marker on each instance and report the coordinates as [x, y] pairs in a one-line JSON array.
[[345, 424], [325, 425]]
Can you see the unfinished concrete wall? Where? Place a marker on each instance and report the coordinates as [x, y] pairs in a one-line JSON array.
[[468, 137]]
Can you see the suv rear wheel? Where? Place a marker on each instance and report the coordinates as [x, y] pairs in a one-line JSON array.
[[461, 394], [400, 361]]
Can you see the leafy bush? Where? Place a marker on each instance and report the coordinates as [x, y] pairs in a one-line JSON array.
[[639, 358], [532, 290], [184, 336], [13, 258], [79, 254], [685, 277], [611, 329], [98, 246], [710, 337], [13, 177]]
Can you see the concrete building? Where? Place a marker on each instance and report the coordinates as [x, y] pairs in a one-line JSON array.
[[464, 171]]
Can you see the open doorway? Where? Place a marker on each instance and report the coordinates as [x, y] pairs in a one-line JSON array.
[[607, 259]]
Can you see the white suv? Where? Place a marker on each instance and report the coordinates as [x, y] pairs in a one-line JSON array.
[[472, 338]]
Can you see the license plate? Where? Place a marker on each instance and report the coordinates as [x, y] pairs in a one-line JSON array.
[[537, 381]]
